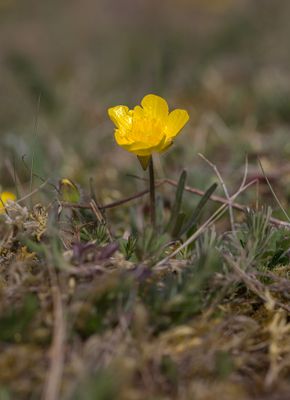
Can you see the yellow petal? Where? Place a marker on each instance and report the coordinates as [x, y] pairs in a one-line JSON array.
[[138, 113], [162, 145], [122, 138], [4, 197], [176, 121], [121, 116], [139, 148], [155, 106], [143, 149]]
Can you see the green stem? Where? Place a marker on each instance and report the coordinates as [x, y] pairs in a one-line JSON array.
[[152, 192]]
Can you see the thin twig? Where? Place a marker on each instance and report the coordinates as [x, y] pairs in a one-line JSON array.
[[219, 199], [33, 192], [100, 217], [207, 224], [114, 203], [220, 211], [189, 189], [273, 192], [214, 167]]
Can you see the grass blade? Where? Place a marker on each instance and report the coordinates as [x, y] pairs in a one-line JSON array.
[[178, 201], [199, 208]]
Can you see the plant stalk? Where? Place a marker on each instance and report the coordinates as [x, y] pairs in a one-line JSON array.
[[152, 193]]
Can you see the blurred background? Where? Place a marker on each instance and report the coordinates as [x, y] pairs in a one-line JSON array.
[[63, 63]]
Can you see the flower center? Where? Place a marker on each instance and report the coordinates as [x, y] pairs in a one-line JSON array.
[[147, 130]]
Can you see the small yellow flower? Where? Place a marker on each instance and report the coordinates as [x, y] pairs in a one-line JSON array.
[[68, 191], [147, 128], [4, 197]]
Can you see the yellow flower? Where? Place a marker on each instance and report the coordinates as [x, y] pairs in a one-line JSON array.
[[68, 191], [147, 128], [4, 197]]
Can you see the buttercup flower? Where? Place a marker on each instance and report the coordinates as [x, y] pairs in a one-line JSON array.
[[147, 128], [4, 197]]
